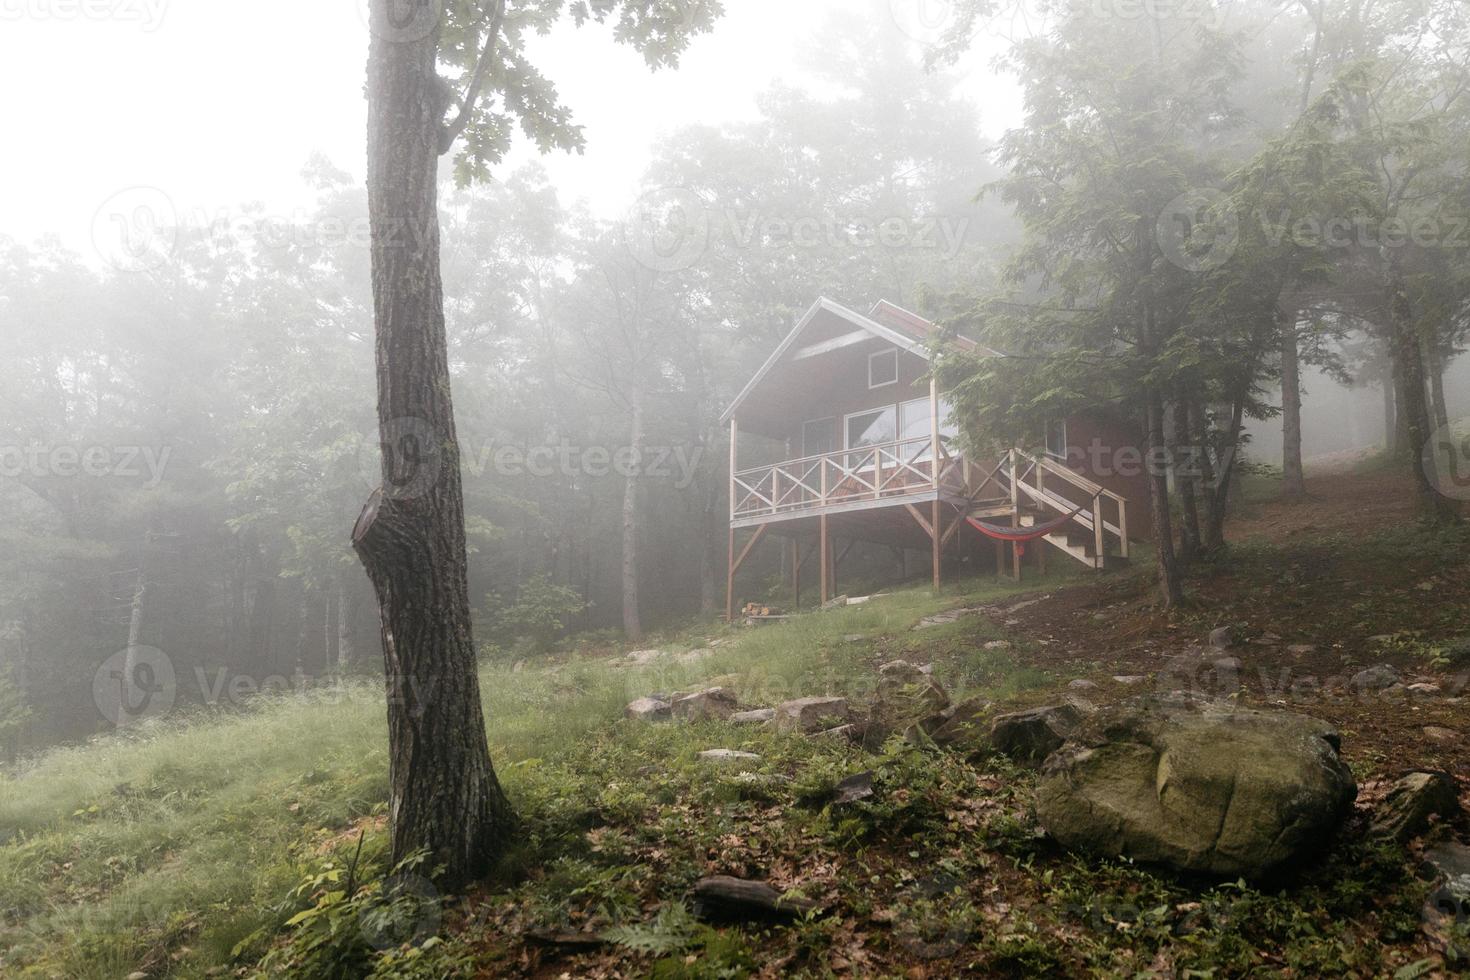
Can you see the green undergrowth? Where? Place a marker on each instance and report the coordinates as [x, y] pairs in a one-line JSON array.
[[255, 844], [161, 849]]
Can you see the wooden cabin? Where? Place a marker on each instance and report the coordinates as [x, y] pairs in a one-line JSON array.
[[842, 437]]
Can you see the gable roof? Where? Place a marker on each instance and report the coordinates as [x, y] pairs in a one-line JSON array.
[[903, 328]]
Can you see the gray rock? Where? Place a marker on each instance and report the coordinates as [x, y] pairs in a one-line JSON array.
[[900, 672], [1301, 649], [1223, 638], [1129, 680], [964, 724], [1379, 678], [1082, 685], [998, 645], [811, 714], [730, 757], [1448, 866], [1410, 804], [757, 717], [1423, 689], [842, 733], [1198, 786], [1438, 734], [713, 702], [1028, 737], [648, 709]]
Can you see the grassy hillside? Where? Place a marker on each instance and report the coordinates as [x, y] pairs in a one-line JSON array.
[[252, 844]]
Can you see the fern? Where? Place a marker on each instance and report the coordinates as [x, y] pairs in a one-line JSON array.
[[673, 930]]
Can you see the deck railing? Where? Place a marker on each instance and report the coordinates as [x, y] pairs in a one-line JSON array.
[[890, 470]]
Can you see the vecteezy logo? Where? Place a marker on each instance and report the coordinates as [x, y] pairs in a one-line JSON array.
[[933, 918], [135, 684], [405, 459], [136, 230], [1447, 462], [668, 229], [410, 913], [926, 21], [1197, 233], [402, 21]]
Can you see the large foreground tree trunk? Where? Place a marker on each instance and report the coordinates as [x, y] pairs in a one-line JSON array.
[[444, 796], [1293, 481]]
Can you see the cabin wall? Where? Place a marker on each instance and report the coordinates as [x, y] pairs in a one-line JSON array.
[[838, 386]]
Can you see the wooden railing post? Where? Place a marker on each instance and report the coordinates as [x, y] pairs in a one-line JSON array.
[[1097, 529], [734, 433], [1123, 527]]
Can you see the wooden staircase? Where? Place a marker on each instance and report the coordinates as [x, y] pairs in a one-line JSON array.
[[1030, 485]]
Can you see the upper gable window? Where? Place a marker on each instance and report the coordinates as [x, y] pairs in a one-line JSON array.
[[883, 368]]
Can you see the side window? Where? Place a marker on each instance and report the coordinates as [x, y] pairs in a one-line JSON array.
[[883, 368]]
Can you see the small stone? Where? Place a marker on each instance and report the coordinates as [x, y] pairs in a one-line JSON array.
[[730, 757], [1424, 689], [853, 788], [900, 672], [963, 724], [1301, 649], [1410, 804], [1379, 678], [138, 975], [842, 733], [998, 645], [853, 638], [642, 658], [757, 717], [1438, 734], [1223, 638], [811, 714], [1028, 737], [713, 702], [1081, 684], [648, 709], [1129, 680]]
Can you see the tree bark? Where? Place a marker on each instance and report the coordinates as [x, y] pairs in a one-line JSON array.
[[632, 625], [1430, 503], [1185, 462], [444, 797], [1169, 581], [1293, 481], [346, 628], [1434, 365]]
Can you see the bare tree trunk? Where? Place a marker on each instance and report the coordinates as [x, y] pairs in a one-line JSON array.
[[1431, 505], [346, 635], [443, 793], [1390, 410], [1170, 583], [632, 625], [127, 689], [1434, 365], [1293, 481], [1186, 481]]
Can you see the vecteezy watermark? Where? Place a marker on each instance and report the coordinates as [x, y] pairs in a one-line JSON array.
[[925, 21], [1207, 12], [1197, 231], [934, 917], [135, 684], [400, 21], [410, 913], [136, 229], [96, 462], [415, 460], [671, 229], [1447, 462], [146, 13], [668, 229]]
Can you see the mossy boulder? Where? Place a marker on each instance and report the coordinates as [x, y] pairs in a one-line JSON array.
[[1197, 786]]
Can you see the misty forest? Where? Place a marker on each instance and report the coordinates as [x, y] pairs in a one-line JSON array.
[[900, 488]]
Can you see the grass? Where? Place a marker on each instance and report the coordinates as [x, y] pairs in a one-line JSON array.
[[161, 849], [217, 845]]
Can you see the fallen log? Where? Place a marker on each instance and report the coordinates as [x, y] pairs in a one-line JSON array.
[[722, 896]]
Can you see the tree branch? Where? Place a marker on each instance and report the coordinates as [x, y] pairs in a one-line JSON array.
[[454, 128]]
